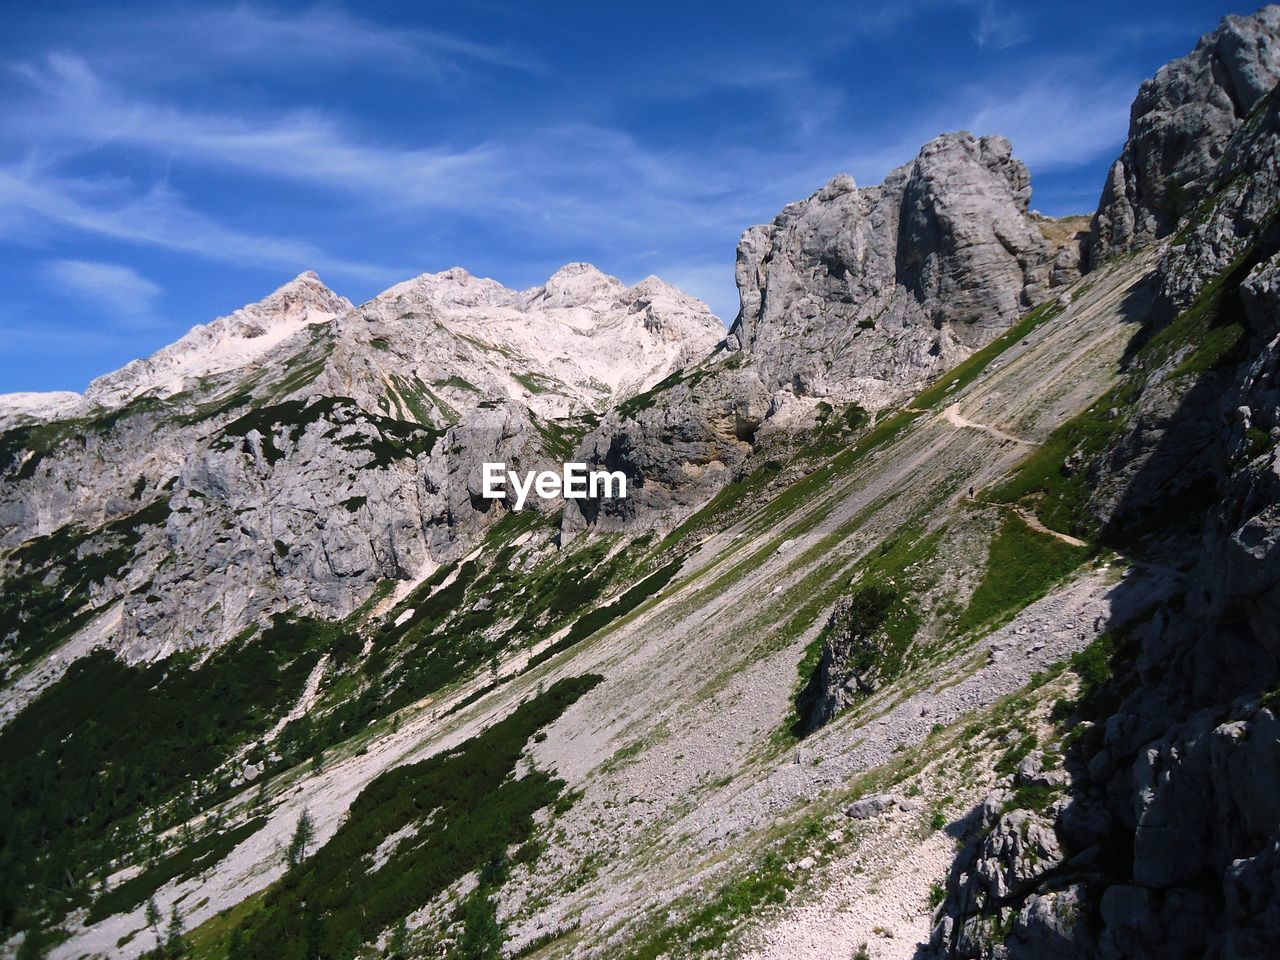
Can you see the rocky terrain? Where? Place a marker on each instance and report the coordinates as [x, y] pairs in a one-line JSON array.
[[939, 621], [869, 294]]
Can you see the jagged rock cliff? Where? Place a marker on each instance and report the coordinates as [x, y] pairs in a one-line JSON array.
[[1166, 838], [867, 294], [1179, 125], [677, 447], [853, 296]]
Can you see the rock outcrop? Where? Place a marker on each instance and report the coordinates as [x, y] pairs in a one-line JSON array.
[[867, 294], [852, 296], [1179, 126], [1170, 826], [677, 445]]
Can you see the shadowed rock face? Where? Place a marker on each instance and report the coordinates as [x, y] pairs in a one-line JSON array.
[[1171, 830], [1178, 129], [676, 453], [867, 293]]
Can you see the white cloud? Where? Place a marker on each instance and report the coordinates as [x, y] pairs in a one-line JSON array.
[[184, 41], [999, 28], [119, 290], [301, 146], [1060, 123], [157, 217]]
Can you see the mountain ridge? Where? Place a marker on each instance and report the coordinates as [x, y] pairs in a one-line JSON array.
[[951, 655]]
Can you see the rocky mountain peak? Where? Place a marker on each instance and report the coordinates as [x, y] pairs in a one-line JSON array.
[[435, 347], [231, 342], [455, 287], [305, 298], [1179, 125], [576, 285], [864, 293]]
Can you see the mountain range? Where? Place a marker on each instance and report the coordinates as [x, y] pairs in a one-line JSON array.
[[940, 618]]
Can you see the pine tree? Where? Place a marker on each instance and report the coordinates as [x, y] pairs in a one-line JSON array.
[[296, 852], [237, 949], [153, 916], [175, 944], [398, 942]]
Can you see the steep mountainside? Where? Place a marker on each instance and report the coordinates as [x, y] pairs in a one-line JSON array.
[[868, 294], [940, 620], [296, 453], [853, 298]]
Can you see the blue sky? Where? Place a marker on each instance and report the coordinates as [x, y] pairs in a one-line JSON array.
[[164, 163]]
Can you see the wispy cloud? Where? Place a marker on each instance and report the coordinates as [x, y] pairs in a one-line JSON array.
[[304, 47], [582, 181], [120, 291], [998, 27], [302, 146], [157, 217], [1061, 122], [328, 33]]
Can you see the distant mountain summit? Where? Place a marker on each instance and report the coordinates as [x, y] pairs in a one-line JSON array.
[[435, 346], [432, 347], [230, 342]]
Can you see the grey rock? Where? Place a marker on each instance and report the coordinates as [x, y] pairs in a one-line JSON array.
[[865, 294], [869, 807], [1049, 925], [1179, 125], [677, 446]]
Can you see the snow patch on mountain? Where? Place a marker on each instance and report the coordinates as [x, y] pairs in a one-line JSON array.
[[17, 407], [227, 343]]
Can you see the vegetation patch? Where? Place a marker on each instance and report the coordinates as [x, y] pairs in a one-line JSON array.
[[190, 859], [600, 617], [110, 740], [870, 634], [708, 927], [337, 900], [1023, 565]]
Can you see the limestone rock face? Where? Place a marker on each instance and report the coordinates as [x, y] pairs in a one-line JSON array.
[[228, 343], [865, 294], [27, 407], [1179, 126], [309, 506], [433, 347], [677, 446], [295, 453]]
